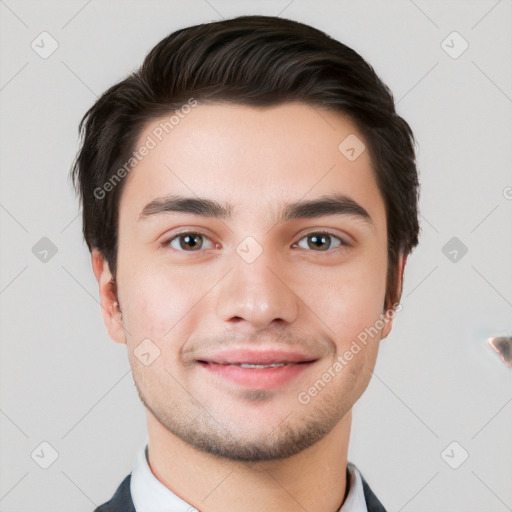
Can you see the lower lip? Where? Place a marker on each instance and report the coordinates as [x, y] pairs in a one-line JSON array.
[[261, 378]]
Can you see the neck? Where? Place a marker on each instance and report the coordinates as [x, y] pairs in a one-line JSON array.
[[314, 479]]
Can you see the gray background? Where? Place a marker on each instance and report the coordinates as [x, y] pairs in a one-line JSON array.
[[64, 382]]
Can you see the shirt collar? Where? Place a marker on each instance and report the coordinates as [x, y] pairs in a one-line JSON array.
[[150, 495], [355, 501]]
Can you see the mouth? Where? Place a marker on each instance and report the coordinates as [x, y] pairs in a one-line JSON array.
[[264, 370], [257, 365]]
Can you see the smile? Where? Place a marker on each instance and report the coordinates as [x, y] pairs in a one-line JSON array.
[[257, 375]]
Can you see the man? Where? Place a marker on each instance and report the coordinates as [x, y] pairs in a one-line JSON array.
[[250, 198]]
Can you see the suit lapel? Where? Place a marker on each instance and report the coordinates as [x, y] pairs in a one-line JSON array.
[[373, 504], [121, 501]]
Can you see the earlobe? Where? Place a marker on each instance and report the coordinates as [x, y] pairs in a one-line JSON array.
[[108, 297]]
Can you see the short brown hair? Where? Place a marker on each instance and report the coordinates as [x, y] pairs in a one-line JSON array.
[[256, 61]]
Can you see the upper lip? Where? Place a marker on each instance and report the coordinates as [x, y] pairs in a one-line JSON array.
[[253, 356]]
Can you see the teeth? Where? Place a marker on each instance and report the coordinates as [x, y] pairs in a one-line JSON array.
[[247, 365]]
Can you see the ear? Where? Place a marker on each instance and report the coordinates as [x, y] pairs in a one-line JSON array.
[[402, 260], [108, 297]]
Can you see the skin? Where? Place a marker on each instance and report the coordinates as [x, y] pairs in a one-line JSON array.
[[214, 443]]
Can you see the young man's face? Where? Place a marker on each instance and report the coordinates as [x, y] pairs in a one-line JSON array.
[[253, 287]]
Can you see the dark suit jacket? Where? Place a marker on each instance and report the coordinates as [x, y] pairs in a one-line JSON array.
[[122, 499]]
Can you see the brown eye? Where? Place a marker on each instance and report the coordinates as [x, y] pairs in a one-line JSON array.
[[321, 242], [189, 242]]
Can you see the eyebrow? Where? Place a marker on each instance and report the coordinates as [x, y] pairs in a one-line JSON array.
[[333, 204]]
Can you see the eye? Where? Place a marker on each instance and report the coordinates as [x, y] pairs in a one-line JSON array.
[[189, 242], [322, 241]]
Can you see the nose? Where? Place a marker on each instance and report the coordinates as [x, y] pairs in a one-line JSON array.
[[257, 294]]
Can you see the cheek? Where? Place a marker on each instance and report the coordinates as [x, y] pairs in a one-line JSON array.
[[347, 299], [157, 302]]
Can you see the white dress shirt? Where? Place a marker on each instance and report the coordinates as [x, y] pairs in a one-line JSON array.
[[150, 495]]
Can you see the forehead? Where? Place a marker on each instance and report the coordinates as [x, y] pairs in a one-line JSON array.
[[255, 158]]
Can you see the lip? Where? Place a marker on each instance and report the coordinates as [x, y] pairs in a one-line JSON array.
[[251, 356], [224, 365]]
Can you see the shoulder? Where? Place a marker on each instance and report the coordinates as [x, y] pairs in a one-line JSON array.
[[121, 501]]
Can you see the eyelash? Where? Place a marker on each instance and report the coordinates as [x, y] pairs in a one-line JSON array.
[[342, 243]]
